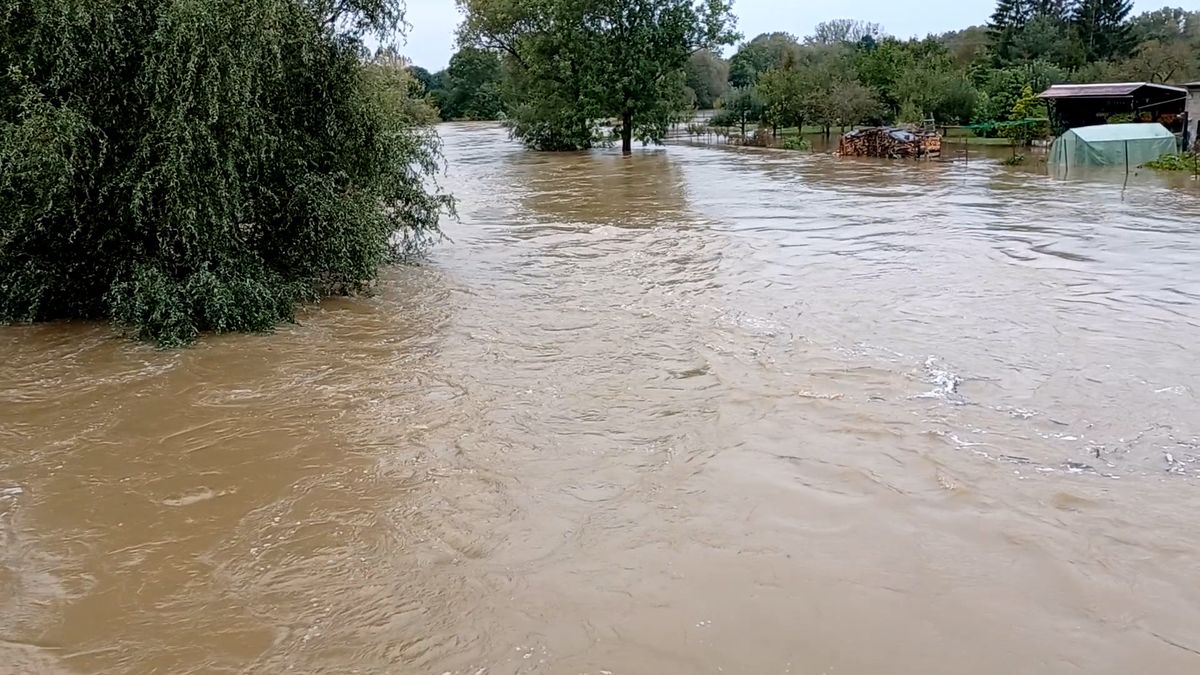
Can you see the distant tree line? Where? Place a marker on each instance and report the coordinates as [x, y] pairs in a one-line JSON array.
[[559, 70], [469, 88]]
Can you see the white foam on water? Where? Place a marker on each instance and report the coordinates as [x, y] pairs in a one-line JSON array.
[[945, 381]]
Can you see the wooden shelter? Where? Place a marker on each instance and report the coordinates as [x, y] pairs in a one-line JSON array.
[[893, 142], [1083, 105]]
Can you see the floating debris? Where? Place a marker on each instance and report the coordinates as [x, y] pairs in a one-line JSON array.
[[944, 380]]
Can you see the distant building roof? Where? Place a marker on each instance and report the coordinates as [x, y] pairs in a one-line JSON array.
[[1105, 89], [1121, 132]]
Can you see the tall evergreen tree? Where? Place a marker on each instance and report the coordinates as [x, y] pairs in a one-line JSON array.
[[1103, 30], [1005, 26], [1011, 20], [1059, 10]]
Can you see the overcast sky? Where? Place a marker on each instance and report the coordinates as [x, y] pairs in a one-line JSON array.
[[431, 40]]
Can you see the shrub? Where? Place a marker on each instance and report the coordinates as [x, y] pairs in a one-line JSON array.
[[182, 166], [1184, 162], [796, 143]]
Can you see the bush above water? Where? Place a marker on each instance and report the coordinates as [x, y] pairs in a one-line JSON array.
[[796, 143], [181, 166], [1184, 162]]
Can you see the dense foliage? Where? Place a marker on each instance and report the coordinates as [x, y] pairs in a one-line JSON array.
[[707, 79], [1180, 162], [576, 65], [849, 72], [180, 166], [471, 88]]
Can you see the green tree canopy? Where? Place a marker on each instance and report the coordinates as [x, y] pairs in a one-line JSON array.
[[764, 52], [707, 78], [423, 77], [471, 86], [784, 93], [966, 46], [180, 166], [1000, 89], [1167, 25], [581, 62]]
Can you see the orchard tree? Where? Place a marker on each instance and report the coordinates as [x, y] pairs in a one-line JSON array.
[[783, 92], [1158, 62], [852, 103], [742, 105], [587, 61]]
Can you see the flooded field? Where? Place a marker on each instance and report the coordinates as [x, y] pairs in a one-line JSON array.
[[698, 410]]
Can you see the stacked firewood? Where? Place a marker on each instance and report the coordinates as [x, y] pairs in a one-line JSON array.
[[890, 142]]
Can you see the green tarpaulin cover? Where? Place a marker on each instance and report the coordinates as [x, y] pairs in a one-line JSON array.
[[1112, 145]]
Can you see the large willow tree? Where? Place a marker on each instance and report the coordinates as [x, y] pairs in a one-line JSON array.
[[576, 63], [181, 166]]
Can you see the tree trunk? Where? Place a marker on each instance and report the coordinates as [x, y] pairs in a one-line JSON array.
[[627, 132]]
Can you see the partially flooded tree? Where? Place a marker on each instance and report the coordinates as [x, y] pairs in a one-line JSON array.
[[785, 95], [588, 61], [180, 166]]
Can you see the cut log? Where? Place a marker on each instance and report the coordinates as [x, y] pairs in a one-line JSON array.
[[892, 142]]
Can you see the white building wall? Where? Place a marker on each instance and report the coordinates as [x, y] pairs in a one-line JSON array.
[[1193, 114]]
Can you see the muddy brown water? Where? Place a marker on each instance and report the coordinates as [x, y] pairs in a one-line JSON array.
[[698, 410]]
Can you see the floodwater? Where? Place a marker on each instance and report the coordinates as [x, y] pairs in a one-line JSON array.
[[698, 410]]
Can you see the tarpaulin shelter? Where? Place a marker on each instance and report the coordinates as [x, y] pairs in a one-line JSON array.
[[1116, 145]]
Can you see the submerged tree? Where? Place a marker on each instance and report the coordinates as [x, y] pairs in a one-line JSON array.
[[180, 166], [785, 95], [591, 60]]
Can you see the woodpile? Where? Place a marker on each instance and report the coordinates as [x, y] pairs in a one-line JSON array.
[[892, 142]]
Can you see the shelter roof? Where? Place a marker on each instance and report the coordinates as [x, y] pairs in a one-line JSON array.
[[1106, 89], [1121, 132]]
